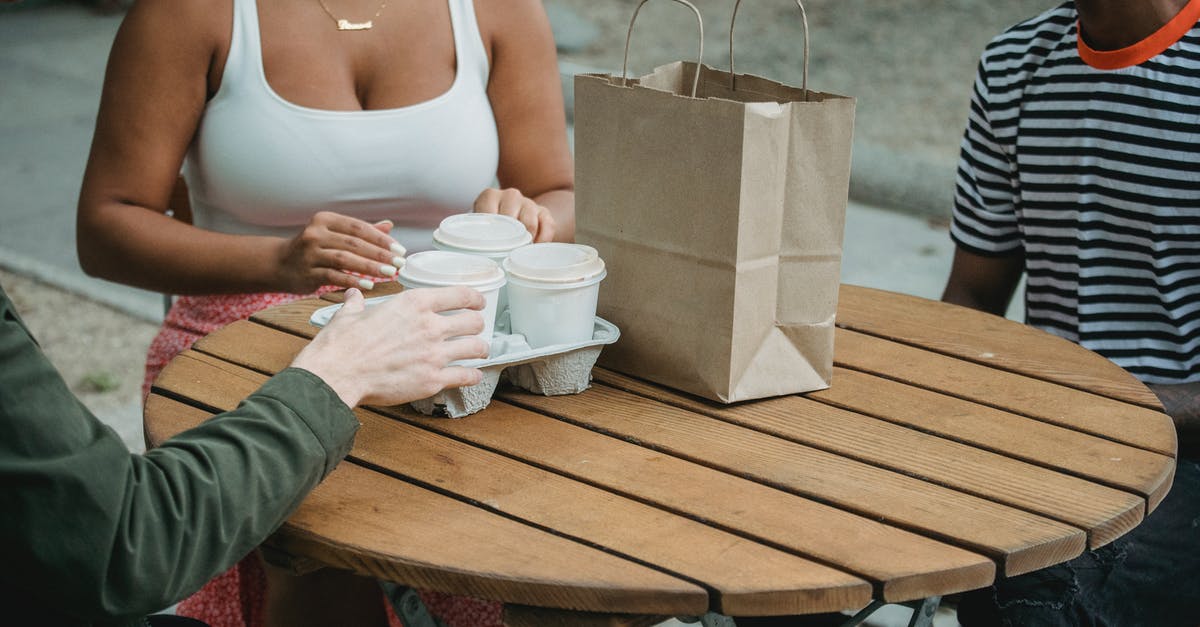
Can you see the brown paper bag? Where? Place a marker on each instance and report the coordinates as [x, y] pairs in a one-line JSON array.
[[720, 218]]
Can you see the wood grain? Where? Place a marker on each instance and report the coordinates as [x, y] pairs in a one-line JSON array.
[[1067, 407], [373, 524], [751, 578], [986, 339], [1104, 512], [902, 565], [1018, 540], [383, 288], [912, 566], [950, 439], [1080, 454]]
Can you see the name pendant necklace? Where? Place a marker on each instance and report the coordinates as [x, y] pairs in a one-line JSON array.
[[344, 24]]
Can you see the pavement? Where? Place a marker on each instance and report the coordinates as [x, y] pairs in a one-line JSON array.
[[52, 59]]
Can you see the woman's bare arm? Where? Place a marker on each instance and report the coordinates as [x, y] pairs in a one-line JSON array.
[[165, 64], [526, 96]]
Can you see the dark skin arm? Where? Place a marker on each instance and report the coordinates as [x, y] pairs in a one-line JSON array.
[[983, 283], [988, 283]]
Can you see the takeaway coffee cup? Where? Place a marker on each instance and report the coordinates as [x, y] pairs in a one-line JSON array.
[[437, 268], [552, 290], [484, 234]]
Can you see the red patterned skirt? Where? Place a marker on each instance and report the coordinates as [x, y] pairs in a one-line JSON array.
[[237, 597]]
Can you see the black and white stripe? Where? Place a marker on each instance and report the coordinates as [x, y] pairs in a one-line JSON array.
[[1095, 176]]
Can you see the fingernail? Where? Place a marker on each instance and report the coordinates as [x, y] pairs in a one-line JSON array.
[[398, 249], [398, 262], [387, 270], [366, 285]]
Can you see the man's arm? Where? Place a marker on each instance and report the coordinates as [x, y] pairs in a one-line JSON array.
[[983, 283], [91, 530]]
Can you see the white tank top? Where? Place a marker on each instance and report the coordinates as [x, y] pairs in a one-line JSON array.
[[261, 165]]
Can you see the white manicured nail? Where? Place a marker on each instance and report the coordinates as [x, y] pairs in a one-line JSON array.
[[398, 262], [398, 249], [387, 270], [366, 284]]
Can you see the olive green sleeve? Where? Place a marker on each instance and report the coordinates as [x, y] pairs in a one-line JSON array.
[[98, 533]]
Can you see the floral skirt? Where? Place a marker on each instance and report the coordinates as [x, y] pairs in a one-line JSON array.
[[237, 597]]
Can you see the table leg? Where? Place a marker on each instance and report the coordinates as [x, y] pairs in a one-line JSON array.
[[923, 612], [712, 619]]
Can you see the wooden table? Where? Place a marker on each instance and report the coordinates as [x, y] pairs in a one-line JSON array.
[[952, 447]]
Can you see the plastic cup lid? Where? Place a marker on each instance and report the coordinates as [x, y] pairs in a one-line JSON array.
[[554, 263], [438, 267], [483, 232]]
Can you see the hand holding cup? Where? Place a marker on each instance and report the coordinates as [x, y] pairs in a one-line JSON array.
[[400, 350]]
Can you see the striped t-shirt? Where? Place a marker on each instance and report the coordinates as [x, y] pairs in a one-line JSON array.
[[1088, 163]]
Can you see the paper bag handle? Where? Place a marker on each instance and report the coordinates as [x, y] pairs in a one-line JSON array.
[[733, 74], [699, 55]]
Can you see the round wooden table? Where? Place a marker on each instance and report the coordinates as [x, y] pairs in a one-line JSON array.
[[952, 446]]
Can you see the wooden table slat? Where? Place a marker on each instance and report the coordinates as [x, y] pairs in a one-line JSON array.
[[950, 439], [1083, 455], [914, 566], [525, 565], [745, 577], [903, 565], [986, 339], [1067, 407], [1020, 541], [1109, 513]]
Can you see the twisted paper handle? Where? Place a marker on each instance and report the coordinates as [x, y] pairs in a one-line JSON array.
[[699, 55], [733, 73]]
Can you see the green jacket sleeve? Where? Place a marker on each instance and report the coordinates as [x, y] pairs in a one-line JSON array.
[[95, 533]]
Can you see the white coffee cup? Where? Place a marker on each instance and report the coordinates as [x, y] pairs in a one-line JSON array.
[[552, 291], [485, 234], [437, 268]]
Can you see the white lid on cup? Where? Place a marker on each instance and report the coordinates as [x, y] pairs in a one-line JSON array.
[[555, 265], [439, 268], [482, 232]]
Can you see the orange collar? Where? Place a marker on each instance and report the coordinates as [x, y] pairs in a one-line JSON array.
[[1145, 49]]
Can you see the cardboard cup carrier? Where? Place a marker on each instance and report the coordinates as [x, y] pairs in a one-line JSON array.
[[554, 303]]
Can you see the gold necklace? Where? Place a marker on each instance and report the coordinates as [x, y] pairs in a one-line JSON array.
[[344, 24]]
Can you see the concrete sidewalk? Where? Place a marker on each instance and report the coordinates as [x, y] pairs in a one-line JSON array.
[[52, 60]]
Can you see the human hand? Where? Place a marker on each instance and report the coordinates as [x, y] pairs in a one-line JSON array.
[[511, 202], [398, 351], [331, 247]]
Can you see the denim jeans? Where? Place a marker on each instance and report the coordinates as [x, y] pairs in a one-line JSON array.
[[1150, 576]]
